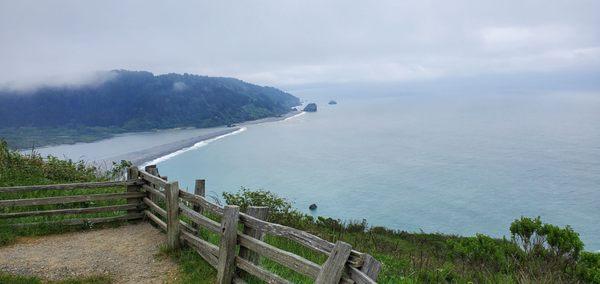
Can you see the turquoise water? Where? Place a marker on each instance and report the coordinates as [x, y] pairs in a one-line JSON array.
[[434, 161], [438, 163]]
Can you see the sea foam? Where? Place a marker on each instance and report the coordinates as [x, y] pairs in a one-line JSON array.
[[195, 146], [295, 115]]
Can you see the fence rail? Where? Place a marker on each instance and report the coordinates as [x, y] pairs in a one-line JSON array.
[[126, 204], [182, 215], [343, 265]]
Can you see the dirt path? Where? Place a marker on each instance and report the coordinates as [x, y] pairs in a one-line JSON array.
[[125, 253]]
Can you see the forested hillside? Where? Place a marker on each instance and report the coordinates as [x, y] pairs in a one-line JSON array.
[[133, 101]]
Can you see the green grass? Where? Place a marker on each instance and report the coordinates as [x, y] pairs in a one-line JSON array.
[[18, 170], [14, 279]]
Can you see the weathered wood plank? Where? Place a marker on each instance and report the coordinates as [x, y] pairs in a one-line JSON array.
[[111, 208], [238, 280], [155, 192], [308, 240], [199, 200], [332, 270], [205, 249], [259, 212], [172, 201], [288, 259], [156, 220], [200, 219], [371, 266], [68, 186], [359, 277], [78, 222], [153, 179], [304, 238], [163, 213], [156, 208], [200, 190], [227, 246], [69, 199], [151, 169], [259, 272], [132, 177]]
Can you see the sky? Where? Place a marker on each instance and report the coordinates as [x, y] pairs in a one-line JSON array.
[[296, 43]]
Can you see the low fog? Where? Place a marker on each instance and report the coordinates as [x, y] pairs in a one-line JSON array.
[[292, 44]]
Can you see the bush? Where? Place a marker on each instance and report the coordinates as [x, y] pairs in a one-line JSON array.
[[563, 242], [330, 223], [355, 226], [525, 232], [30, 169], [483, 249], [534, 236], [588, 267], [246, 197]]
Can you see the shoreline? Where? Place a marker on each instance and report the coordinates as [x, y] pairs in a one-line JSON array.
[[159, 153]]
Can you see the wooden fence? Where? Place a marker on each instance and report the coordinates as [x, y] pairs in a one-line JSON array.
[[130, 209], [182, 215]]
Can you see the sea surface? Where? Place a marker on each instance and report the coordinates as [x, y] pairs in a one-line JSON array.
[[437, 162]]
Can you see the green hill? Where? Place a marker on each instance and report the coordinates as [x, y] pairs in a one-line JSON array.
[[133, 101]]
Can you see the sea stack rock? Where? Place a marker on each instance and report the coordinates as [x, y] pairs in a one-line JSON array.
[[312, 206], [312, 107], [332, 102]]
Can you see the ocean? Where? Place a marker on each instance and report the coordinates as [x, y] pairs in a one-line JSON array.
[[435, 162]]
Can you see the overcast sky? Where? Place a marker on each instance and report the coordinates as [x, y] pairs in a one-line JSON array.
[[292, 43]]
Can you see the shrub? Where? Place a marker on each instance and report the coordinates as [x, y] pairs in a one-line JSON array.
[[588, 267], [333, 224], [483, 249], [246, 197], [534, 236], [355, 226], [379, 230], [30, 169], [563, 242], [525, 232]]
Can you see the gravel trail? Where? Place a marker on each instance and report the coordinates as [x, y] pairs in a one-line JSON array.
[[126, 253]]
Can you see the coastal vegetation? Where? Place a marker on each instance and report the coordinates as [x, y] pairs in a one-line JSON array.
[[535, 251], [133, 101]]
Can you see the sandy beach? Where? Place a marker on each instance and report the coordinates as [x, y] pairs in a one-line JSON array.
[[146, 155]]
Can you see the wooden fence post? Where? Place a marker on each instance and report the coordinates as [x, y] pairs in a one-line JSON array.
[[151, 169], [259, 212], [172, 202], [332, 270], [199, 189], [371, 267], [227, 246], [132, 175]]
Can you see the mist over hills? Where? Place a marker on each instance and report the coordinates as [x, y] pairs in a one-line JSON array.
[[136, 101]]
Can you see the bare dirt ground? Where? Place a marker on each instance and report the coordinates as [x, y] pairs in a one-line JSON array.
[[127, 254]]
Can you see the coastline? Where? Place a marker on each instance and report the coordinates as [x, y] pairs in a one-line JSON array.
[[159, 153], [144, 156]]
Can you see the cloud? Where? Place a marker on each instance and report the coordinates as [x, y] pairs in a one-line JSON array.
[[295, 42], [179, 86], [66, 80]]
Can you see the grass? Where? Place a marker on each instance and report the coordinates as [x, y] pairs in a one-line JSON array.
[[406, 257], [17, 170], [15, 279]]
